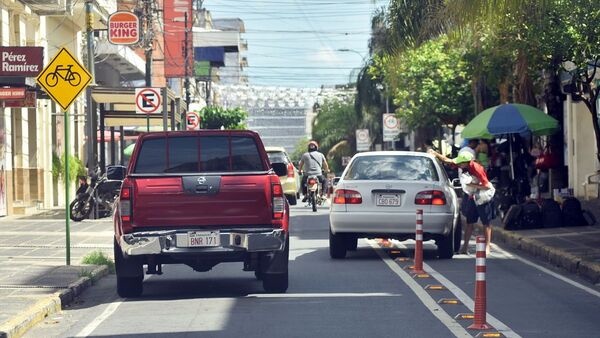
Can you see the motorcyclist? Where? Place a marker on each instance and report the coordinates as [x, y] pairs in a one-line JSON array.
[[314, 163]]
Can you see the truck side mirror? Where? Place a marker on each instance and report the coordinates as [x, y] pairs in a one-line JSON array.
[[279, 168]]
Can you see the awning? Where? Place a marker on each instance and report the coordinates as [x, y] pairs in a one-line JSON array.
[[215, 55], [119, 108]]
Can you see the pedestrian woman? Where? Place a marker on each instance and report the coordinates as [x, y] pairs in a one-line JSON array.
[[477, 201]]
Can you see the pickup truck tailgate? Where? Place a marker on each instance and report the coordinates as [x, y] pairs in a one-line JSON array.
[[210, 201]]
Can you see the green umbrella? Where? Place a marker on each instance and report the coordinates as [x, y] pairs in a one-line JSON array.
[[510, 118]]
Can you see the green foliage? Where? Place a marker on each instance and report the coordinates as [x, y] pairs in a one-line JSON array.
[[214, 117], [76, 167], [299, 150], [336, 121], [99, 258], [430, 84]]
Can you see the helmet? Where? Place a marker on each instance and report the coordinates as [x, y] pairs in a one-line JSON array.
[[313, 145]]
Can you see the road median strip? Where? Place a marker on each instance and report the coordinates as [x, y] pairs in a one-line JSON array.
[[18, 325]]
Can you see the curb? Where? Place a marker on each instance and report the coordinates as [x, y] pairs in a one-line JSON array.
[[555, 256], [17, 326]]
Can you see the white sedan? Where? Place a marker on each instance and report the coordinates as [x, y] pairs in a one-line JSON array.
[[377, 197]]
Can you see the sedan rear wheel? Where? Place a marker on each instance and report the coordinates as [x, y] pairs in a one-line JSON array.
[[337, 245], [445, 246]]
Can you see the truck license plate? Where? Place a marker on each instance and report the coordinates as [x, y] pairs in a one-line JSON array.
[[388, 200], [204, 238]]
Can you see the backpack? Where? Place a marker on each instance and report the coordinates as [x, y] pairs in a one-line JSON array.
[[531, 216], [511, 219], [572, 214], [551, 214]]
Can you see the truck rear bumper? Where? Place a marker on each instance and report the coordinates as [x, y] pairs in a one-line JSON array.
[[175, 242]]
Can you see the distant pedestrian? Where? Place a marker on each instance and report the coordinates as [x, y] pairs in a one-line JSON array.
[[477, 201]]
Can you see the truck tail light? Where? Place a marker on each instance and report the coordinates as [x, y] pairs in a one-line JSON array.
[[430, 197], [344, 196], [278, 198], [290, 168], [125, 202]]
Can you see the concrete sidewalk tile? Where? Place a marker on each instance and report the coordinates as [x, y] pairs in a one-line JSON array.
[[25, 319]]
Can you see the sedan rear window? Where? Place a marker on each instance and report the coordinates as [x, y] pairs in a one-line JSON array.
[[392, 167], [277, 157], [191, 154]]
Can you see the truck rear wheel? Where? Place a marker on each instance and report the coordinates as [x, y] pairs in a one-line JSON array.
[[130, 287], [275, 282], [130, 274]]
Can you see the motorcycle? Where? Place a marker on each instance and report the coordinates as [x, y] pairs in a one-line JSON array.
[[99, 195], [313, 188]]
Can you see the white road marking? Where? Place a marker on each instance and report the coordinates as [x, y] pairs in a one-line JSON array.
[[110, 309], [454, 327], [322, 295], [547, 271], [468, 302]]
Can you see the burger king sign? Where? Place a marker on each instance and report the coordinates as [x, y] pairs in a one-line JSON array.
[[123, 28]]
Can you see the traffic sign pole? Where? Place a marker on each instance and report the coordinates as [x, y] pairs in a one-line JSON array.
[[68, 212]]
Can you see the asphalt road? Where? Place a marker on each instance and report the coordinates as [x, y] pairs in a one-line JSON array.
[[368, 294]]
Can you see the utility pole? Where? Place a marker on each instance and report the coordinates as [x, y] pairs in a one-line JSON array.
[[148, 40], [90, 113], [148, 44], [187, 64]]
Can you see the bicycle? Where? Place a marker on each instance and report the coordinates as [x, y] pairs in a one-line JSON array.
[[70, 76]]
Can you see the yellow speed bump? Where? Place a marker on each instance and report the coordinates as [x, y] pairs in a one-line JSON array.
[[395, 252], [435, 287], [402, 259], [490, 334], [449, 301], [464, 316], [422, 275]]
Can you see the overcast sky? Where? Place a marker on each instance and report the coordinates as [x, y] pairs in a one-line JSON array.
[[295, 43]]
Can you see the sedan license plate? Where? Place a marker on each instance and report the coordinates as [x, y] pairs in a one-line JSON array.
[[204, 239], [388, 200]]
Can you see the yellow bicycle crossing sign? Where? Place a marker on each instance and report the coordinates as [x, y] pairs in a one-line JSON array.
[[64, 78]]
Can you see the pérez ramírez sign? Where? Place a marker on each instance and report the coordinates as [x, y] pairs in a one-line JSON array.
[[21, 61]]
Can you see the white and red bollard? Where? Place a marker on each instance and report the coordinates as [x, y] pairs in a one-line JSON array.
[[418, 267], [479, 322]]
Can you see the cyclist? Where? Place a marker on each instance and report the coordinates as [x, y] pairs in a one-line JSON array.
[[313, 162]]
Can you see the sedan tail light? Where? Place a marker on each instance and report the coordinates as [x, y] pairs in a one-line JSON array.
[[430, 197], [290, 169], [344, 196]]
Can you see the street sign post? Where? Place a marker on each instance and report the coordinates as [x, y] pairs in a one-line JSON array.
[[148, 101], [64, 78], [192, 120], [391, 127], [363, 141]]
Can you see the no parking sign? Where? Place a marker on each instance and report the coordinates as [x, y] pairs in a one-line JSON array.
[[192, 120]]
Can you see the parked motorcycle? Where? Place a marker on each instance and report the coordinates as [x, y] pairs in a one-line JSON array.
[[313, 188], [100, 194]]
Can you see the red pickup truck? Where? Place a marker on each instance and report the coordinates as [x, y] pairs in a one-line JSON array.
[[201, 198]]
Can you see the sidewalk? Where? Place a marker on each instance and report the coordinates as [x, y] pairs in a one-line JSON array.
[[575, 249], [34, 280]]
